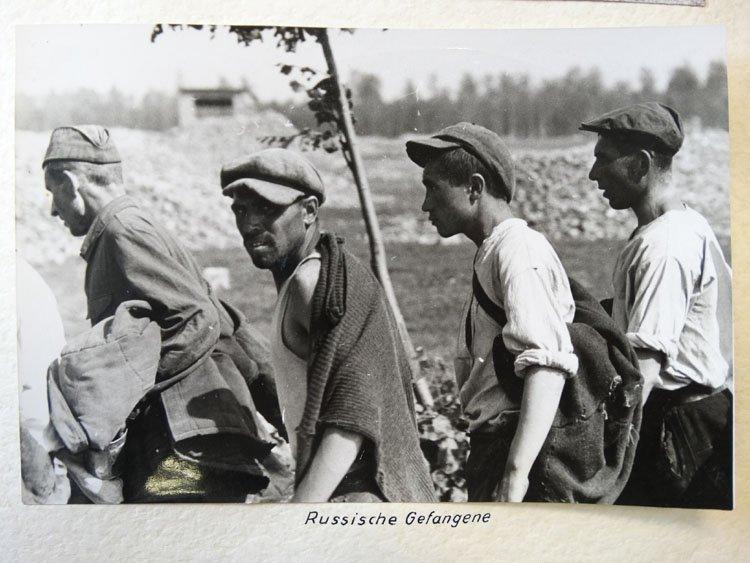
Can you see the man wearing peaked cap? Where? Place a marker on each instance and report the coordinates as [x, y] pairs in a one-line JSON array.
[[469, 181], [343, 380], [481, 143], [649, 124], [672, 298], [278, 175], [199, 439], [286, 187]]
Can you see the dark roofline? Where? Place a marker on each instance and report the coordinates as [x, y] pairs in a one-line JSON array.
[[212, 91]]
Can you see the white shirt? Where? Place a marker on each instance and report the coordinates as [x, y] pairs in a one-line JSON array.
[[290, 370], [672, 294], [520, 271]]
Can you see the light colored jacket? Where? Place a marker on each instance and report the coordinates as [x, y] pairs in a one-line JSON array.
[[101, 375]]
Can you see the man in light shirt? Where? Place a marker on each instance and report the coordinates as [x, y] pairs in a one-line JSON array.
[[672, 298], [469, 180]]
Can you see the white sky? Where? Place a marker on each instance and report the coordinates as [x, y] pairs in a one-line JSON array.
[[67, 57]]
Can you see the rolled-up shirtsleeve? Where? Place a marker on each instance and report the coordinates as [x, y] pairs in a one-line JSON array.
[[536, 332], [659, 291]]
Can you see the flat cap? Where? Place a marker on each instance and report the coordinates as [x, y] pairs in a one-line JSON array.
[[649, 124], [279, 175], [87, 143], [478, 141]]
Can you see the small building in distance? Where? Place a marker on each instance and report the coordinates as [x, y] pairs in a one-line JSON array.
[[194, 104]]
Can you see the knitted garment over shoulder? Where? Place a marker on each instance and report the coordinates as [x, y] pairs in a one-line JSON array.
[[359, 378]]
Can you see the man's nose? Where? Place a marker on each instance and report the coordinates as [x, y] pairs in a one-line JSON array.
[[593, 173], [249, 223], [53, 209], [425, 205]]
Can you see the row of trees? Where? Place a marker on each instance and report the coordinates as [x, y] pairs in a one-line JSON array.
[[510, 105]]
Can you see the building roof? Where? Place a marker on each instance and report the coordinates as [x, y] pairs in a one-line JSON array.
[[212, 92]]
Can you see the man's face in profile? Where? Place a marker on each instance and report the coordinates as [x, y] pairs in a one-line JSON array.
[[446, 205], [614, 172], [67, 203]]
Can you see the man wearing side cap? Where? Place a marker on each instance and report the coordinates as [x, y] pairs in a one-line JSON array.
[[199, 439], [469, 180], [672, 297], [343, 379]]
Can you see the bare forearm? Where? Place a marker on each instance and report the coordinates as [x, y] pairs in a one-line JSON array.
[[541, 396], [337, 451], [649, 364]]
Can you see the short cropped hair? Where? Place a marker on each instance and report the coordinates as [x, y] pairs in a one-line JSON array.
[[458, 165], [662, 162], [99, 174]]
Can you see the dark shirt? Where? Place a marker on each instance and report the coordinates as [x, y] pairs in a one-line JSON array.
[[130, 256]]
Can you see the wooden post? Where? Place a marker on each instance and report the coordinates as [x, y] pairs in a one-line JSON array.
[[377, 251]]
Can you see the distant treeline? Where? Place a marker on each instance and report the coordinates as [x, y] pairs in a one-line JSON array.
[[511, 105], [508, 104], [155, 110]]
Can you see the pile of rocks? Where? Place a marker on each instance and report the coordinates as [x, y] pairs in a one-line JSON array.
[[555, 194], [176, 175]]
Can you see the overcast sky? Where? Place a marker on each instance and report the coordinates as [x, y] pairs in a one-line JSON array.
[[67, 57]]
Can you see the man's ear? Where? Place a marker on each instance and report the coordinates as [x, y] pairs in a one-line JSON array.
[[477, 186], [72, 182], [641, 164], [310, 209]]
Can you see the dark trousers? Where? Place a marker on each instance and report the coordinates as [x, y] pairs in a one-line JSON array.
[[488, 454], [684, 453], [485, 465], [153, 472]]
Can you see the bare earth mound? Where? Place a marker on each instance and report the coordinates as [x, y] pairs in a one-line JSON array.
[[175, 173]]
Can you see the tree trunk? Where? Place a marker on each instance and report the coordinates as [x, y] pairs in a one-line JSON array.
[[377, 251]]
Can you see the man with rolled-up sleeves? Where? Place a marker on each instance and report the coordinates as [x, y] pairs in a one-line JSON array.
[[469, 180]]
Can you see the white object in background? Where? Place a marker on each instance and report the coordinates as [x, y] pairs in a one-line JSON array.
[[218, 278]]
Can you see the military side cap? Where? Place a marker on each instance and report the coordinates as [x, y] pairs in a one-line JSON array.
[[280, 176], [87, 143], [478, 141], [649, 124]]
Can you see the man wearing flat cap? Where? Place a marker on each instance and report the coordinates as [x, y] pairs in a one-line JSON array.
[[469, 181], [672, 298], [343, 378], [199, 439]]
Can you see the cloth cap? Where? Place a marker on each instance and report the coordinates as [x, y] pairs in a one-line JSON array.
[[279, 175], [478, 141], [87, 143], [649, 124]]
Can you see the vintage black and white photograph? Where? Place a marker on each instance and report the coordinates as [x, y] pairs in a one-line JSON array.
[[298, 264]]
